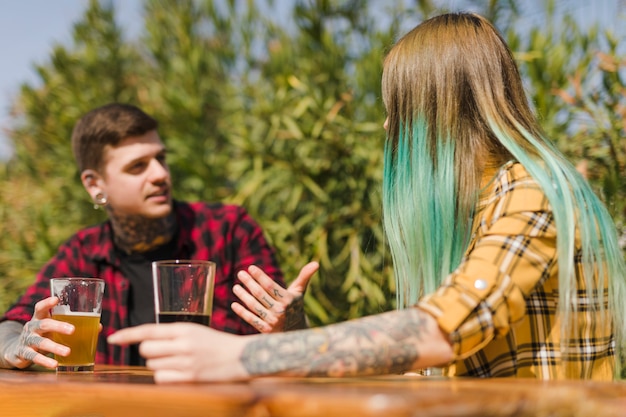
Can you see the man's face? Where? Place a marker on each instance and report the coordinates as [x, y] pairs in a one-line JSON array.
[[136, 178]]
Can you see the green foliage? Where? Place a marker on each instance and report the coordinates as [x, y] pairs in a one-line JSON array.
[[278, 109], [250, 113], [576, 81], [598, 101]]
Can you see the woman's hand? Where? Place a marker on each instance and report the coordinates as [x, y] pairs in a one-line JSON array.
[[186, 352], [34, 343], [267, 306]]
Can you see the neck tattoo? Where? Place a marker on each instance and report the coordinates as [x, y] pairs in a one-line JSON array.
[[134, 233]]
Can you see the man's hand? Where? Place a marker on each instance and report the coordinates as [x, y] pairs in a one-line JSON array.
[[33, 343], [269, 307]]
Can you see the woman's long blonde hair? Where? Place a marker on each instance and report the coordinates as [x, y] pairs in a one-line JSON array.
[[456, 104]]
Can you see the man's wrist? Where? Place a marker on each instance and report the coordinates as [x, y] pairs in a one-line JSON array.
[[10, 332]]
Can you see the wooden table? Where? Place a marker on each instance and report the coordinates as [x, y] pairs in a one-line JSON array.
[[127, 391]]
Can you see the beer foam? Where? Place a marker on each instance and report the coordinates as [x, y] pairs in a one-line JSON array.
[[65, 311]]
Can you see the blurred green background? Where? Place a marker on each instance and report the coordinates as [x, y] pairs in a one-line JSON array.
[[285, 119]]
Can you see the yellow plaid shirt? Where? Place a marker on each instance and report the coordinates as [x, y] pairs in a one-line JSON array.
[[500, 306]]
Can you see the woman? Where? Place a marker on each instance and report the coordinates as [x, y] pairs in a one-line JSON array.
[[474, 197]]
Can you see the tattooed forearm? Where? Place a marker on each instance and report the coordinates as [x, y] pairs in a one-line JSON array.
[[381, 344], [10, 332]]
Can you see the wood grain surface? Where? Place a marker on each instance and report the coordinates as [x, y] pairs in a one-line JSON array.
[[130, 391]]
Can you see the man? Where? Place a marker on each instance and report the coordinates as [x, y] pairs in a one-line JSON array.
[[123, 167]]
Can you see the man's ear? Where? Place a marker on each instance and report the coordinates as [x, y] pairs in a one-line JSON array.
[[92, 182]]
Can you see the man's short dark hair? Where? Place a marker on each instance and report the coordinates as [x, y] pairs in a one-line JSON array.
[[107, 125]]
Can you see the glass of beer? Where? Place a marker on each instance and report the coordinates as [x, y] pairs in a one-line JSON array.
[[80, 303], [183, 291]]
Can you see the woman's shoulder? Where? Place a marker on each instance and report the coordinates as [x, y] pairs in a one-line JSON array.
[[511, 176], [514, 189]]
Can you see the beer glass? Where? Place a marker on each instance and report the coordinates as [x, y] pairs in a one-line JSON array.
[[183, 291], [80, 303]]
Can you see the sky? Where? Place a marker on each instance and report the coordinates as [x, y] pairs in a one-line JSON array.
[[30, 28], [28, 31]]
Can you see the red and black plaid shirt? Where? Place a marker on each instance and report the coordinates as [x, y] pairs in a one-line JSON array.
[[225, 234]]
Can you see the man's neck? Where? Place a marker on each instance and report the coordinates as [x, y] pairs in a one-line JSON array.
[[134, 233]]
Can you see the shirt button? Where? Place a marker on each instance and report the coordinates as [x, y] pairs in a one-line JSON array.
[[480, 284]]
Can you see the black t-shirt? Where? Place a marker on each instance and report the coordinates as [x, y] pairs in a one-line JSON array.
[[137, 267]]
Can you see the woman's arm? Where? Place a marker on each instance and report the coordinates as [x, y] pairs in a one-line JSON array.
[[386, 343]]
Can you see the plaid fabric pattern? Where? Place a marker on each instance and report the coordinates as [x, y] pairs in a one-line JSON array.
[[225, 234], [500, 307]]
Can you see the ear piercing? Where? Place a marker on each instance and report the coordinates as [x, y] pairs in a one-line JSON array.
[[100, 200]]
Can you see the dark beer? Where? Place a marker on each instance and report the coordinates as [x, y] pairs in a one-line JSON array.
[[173, 317]]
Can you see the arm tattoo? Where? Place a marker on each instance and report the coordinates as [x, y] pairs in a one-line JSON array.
[[10, 339], [380, 344]]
